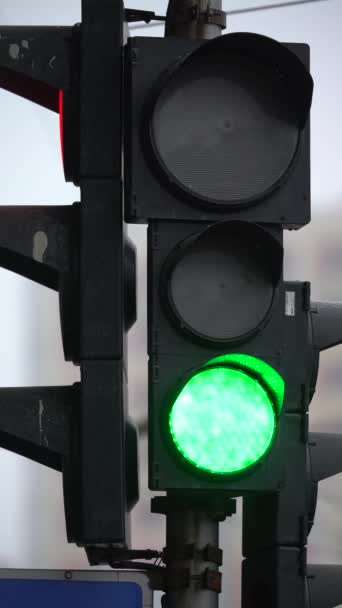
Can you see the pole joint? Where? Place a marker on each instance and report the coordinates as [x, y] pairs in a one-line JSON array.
[[210, 16]]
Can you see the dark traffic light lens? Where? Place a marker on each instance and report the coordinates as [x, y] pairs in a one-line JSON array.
[[223, 420], [223, 129], [221, 285]]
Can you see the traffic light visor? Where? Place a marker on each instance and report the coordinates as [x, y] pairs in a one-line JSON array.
[[223, 420], [220, 283], [223, 128]]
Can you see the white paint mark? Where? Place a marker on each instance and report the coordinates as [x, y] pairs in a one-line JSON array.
[[14, 51], [40, 243], [41, 412], [42, 436], [25, 44], [52, 61]]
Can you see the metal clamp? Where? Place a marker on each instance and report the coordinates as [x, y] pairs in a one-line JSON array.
[[212, 580], [211, 16]]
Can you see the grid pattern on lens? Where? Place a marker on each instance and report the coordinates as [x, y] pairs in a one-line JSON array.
[[224, 128], [222, 286], [223, 421]]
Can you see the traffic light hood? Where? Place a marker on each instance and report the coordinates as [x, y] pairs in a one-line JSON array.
[[326, 320], [258, 368], [270, 53], [241, 266], [217, 130]]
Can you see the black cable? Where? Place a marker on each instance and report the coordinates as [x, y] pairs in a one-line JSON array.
[[126, 565], [266, 7], [252, 9]]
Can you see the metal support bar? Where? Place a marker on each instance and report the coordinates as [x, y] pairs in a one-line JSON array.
[[327, 324], [37, 242], [35, 422], [325, 455], [35, 62]]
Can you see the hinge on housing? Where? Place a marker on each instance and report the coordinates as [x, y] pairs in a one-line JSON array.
[[303, 524], [305, 397], [303, 562], [134, 204], [306, 295], [155, 373], [155, 339], [155, 239], [305, 428]]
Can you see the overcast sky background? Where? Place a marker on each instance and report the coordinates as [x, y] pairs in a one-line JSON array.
[[31, 506]]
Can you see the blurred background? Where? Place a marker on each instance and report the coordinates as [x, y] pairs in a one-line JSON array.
[[32, 530]]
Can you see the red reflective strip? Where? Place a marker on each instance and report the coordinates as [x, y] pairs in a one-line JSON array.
[[61, 126]]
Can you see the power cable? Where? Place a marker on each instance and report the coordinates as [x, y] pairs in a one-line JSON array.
[[242, 11], [266, 7]]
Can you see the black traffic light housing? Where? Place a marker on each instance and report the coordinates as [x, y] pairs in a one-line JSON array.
[[197, 164], [156, 71], [280, 339], [275, 566], [83, 252], [187, 153]]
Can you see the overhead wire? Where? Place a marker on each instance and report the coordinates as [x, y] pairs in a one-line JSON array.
[[242, 11], [265, 7]]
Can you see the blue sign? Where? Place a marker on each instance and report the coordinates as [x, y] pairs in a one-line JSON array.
[[38, 593]]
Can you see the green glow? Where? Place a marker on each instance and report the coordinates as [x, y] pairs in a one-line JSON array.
[[269, 376], [223, 420]]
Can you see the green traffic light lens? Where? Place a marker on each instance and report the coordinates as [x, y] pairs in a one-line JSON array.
[[223, 421]]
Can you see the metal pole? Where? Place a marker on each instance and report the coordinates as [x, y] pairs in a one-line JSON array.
[[195, 18], [191, 542], [192, 554]]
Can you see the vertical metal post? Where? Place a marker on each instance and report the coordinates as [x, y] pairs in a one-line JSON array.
[[191, 537], [192, 555], [195, 18]]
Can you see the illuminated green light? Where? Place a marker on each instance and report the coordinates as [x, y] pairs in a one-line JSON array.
[[223, 421]]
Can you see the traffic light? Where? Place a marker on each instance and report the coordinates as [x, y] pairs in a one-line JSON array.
[[82, 251], [217, 162], [276, 526]]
